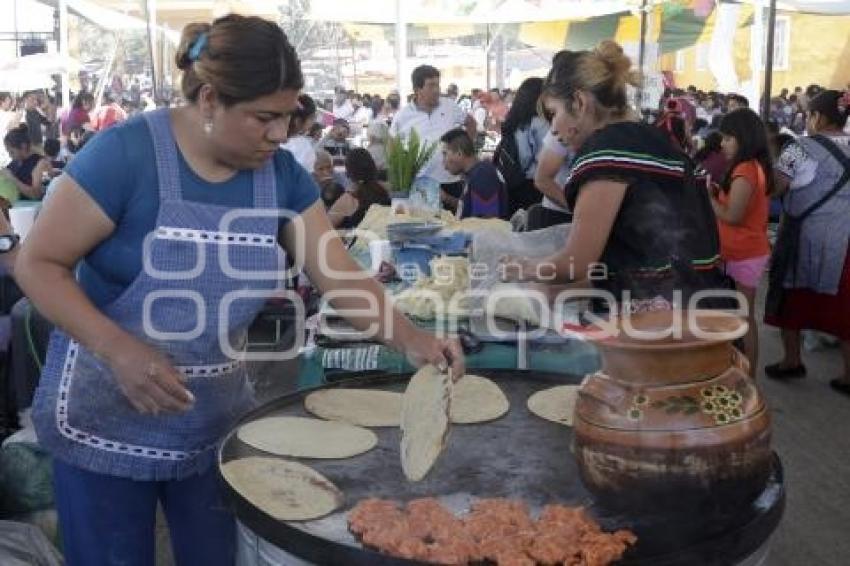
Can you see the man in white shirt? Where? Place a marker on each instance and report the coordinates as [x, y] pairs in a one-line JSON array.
[[553, 168], [298, 142], [361, 116], [342, 108], [432, 116]]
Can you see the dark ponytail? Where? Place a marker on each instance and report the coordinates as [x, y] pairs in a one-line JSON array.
[[241, 57], [833, 105], [18, 137]]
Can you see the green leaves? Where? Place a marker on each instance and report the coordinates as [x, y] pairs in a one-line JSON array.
[[677, 404], [405, 158]]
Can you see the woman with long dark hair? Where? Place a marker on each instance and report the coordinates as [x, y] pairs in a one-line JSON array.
[[523, 129], [741, 203], [350, 208], [27, 169], [298, 141], [813, 174]]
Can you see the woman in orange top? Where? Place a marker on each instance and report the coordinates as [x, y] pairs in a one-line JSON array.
[[741, 203]]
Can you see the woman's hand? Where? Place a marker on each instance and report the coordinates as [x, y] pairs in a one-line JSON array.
[[148, 379], [714, 190], [425, 348], [516, 269]]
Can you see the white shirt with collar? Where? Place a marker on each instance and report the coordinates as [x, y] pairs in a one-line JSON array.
[[344, 110], [430, 126], [554, 145], [303, 150]]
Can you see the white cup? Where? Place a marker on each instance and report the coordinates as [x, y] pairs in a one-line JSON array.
[[379, 251], [22, 219]]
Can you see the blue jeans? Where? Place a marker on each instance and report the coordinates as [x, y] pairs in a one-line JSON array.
[[110, 521]]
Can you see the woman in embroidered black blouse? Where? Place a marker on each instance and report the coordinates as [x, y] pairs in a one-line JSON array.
[[643, 227]]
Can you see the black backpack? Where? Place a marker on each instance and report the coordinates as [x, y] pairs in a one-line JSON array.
[[506, 160]]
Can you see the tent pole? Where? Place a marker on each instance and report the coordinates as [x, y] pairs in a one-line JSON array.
[[63, 50], [641, 54], [768, 63], [354, 62], [150, 12], [400, 50], [487, 58]]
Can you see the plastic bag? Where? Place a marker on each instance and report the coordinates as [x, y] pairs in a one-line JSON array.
[[26, 545], [26, 479]]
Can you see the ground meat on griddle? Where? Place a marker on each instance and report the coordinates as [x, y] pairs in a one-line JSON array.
[[369, 512], [551, 549], [429, 520], [567, 517], [624, 536], [515, 544], [601, 549], [513, 512], [500, 531], [411, 548], [514, 559], [386, 537], [452, 551]]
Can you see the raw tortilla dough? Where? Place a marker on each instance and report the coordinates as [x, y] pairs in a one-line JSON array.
[[378, 217], [361, 407], [445, 292], [301, 437], [512, 302], [476, 400], [557, 404], [424, 421], [288, 491]]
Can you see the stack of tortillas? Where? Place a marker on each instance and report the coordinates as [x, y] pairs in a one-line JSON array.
[[424, 421], [474, 400], [307, 438], [287, 491], [557, 404]]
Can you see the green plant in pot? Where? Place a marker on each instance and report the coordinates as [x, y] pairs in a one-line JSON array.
[[405, 158]]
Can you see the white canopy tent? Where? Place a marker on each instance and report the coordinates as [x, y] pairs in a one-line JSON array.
[[436, 12], [456, 12], [404, 12]]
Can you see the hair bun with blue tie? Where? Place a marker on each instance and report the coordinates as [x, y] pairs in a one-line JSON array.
[[198, 47]]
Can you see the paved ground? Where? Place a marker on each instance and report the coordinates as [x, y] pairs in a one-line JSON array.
[[811, 433], [810, 430]]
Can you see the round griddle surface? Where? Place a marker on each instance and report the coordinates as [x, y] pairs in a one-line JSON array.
[[519, 456]]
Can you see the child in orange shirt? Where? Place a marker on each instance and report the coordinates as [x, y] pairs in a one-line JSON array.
[[741, 203]]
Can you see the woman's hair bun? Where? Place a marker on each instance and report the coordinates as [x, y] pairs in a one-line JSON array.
[[618, 63], [190, 35]]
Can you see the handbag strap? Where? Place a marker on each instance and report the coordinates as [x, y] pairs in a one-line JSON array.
[[844, 160]]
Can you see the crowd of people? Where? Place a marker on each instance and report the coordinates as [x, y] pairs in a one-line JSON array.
[[673, 202], [747, 163], [41, 137], [342, 141]]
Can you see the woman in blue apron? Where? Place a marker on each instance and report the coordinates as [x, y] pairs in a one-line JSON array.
[[173, 222]]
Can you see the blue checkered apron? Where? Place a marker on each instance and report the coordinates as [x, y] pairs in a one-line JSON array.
[[207, 272]]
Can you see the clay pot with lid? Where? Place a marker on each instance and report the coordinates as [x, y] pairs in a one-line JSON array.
[[673, 418]]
